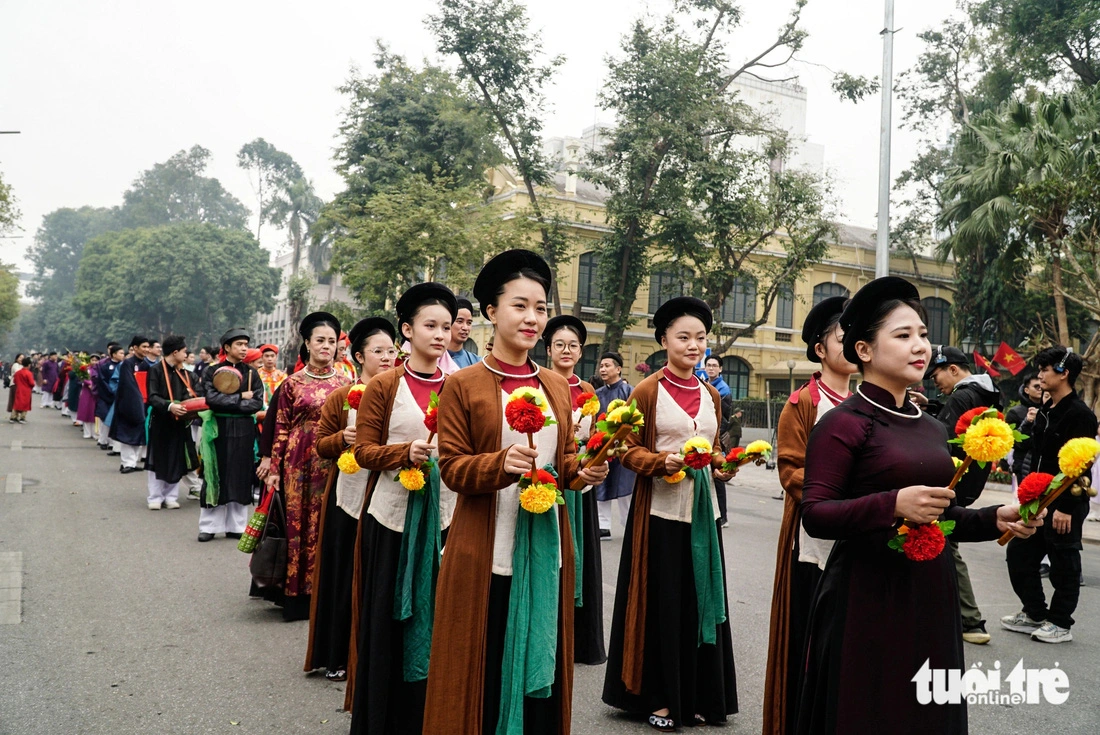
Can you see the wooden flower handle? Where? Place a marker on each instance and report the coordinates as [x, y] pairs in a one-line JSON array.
[[960, 472], [1049, 498], [621, 434]]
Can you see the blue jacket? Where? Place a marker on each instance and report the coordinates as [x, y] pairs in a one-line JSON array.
[[620, 481]]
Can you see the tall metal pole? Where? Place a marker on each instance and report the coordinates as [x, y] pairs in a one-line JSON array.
[[882, 244]]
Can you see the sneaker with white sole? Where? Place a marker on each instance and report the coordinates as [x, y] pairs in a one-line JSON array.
[[154, 506], [976, 634], [171, 505], [1051, 633], [1021, 622]]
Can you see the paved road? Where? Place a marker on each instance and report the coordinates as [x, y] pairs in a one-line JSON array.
[[131, 626]]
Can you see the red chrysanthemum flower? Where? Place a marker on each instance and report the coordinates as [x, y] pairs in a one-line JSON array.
[[697, 460], [735, 454], [545, 478], [596, 441], [582, 399], [524, 417], [924, 543], [967, 419], [355, 396], [1033, 486], [431, 420]]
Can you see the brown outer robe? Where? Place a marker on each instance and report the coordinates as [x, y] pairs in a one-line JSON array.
[[795, 423], [329, 445], [472, 464], [647, 464]]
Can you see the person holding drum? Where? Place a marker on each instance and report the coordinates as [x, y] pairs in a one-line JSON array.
[[234, 393], [171, 449]]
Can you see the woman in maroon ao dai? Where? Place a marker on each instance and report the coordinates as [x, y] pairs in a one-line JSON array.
[[871, 462]]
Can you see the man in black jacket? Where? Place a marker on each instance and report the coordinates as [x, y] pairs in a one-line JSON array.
[[964, 391], [1065, 416], [1031, 396]]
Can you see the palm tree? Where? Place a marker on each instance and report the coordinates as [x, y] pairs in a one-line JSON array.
[[295, 206], [1020, 183]]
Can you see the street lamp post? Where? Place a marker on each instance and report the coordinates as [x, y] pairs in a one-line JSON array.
[[790, 376]]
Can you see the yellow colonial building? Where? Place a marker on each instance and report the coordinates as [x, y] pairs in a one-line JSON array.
[[765, 362]]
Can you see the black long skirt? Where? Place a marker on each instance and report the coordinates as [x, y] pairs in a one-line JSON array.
[[677, 673], [336, 560], [804, 579], [588, 635], [383, 701], [540, 716]]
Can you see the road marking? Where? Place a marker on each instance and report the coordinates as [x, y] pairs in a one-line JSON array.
[[14, 483], [11, 587], [17, 445]]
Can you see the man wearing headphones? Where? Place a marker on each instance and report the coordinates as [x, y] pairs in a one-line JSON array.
[[1065, 416]]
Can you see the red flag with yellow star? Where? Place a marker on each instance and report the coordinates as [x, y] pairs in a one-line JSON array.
[[986, 365], [1010, 359]]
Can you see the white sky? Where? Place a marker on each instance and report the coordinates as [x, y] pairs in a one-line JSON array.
[[103, 90]]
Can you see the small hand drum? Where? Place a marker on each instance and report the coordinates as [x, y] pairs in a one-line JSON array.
[[193, 406], [227, 379]]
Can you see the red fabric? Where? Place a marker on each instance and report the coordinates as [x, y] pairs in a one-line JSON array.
[[510, 384], [986, 365], [23, 384], [1010, 358], [686, 393], [142, 379], [575, 388], [422, 389]]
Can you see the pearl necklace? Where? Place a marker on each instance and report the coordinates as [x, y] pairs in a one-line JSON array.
[[326, 376], [416, 376], [509, 375], [888, 410]]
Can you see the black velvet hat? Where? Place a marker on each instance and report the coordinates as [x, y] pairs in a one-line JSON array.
[[235, 334], [815, 323], [312, 320], [501, 269], [943, 356], [411, 300], [857, 316], [675, 308], [564, 320], [365, 328]]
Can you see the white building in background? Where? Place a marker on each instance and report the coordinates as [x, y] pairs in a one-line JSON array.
[[784, 103], [273, 327]]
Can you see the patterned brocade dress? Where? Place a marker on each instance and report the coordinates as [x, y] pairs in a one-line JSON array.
[[303, 476]]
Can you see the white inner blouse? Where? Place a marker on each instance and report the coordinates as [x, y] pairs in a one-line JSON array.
[[816, 550], [351, 489], [674, 427], [390, 500], [504, 534]]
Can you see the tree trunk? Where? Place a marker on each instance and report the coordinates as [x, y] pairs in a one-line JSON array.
[[1059, 297]]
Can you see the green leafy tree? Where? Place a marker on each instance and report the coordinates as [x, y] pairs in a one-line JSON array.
[[192, 279], [9, 211], [269, 171], [420, 230], [295, 206], [299, 293], [1044, 40], [499, 53], [669, 91], [177, 191], [9, 298]]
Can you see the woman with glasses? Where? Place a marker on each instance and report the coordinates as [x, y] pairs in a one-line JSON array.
[[296, 470], [330, 619], [404, 526], [565, 337]]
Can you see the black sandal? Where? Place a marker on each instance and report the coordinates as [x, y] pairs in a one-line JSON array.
[[338, 675], [663, 724]]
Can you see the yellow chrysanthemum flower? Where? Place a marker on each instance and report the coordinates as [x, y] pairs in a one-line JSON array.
[[538, 498], [758, 447], [698, 444], [1075, 455], [411, 478], [958, 462], [591, 407], [988, 440], [673, 479], [617, 403], [347, 464], [532, 395]]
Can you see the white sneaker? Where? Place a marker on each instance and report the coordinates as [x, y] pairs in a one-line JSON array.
[[154, 506], [1051, 633], [171, 504], [1094, 516], [1020, 623]]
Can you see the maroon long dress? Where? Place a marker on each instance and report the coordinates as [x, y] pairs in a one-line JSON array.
[[877, 616]]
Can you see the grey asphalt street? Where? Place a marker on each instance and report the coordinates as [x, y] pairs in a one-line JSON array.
[[128, 625]]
